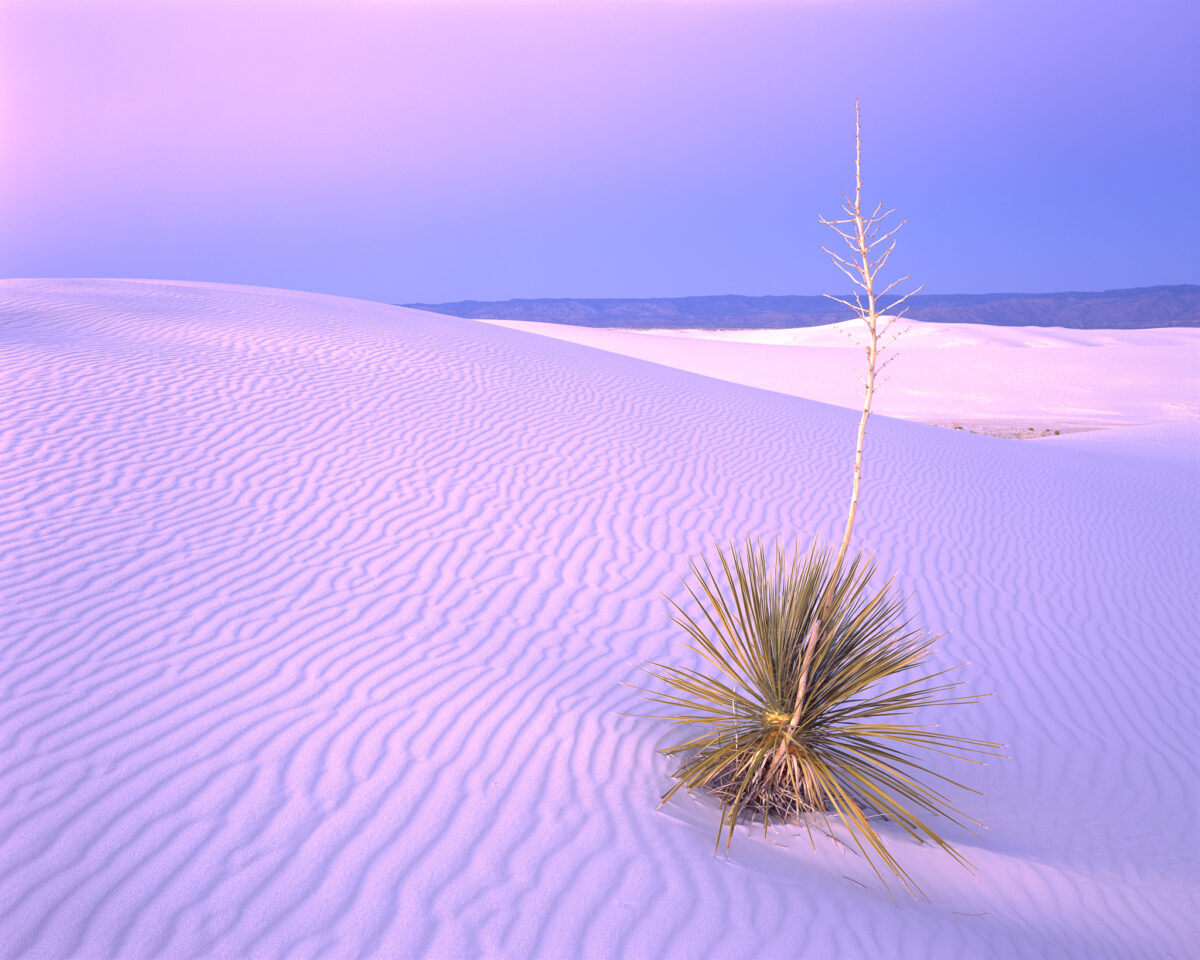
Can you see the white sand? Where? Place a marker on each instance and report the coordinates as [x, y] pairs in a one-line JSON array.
[[1011, 377], [314, 614]]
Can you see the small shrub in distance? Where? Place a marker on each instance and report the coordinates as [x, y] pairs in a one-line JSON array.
[[805, 707]]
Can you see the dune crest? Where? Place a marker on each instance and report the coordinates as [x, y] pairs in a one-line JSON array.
[[1011, 381]]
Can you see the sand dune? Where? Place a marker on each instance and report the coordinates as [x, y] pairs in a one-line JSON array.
[[314, 615], [1007, 379]]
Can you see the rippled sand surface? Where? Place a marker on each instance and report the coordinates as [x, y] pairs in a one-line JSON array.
[[314, 615]]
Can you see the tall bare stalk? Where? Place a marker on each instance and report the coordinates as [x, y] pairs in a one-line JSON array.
[[863, 265], [862, 234]]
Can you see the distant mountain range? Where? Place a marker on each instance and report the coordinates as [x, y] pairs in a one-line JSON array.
[[1139, 308]]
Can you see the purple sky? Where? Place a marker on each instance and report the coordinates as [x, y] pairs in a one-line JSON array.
[[453, 150]]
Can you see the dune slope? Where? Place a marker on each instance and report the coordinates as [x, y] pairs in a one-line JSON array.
[[314, 615], [1018, 380]]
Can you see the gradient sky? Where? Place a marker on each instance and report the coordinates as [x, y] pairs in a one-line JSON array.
[[452, 150]]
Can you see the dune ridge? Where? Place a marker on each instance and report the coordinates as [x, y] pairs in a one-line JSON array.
[[316, 614], [998, 380]]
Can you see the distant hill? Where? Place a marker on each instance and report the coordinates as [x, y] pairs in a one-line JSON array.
[[1139, 308]]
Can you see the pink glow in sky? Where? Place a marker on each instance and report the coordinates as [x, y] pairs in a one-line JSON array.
[[433, 151]]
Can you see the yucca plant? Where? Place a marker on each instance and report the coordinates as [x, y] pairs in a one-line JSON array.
[[808, 707], [800, 713]]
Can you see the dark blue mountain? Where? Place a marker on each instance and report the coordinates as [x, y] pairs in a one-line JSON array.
[[1139, 308]]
